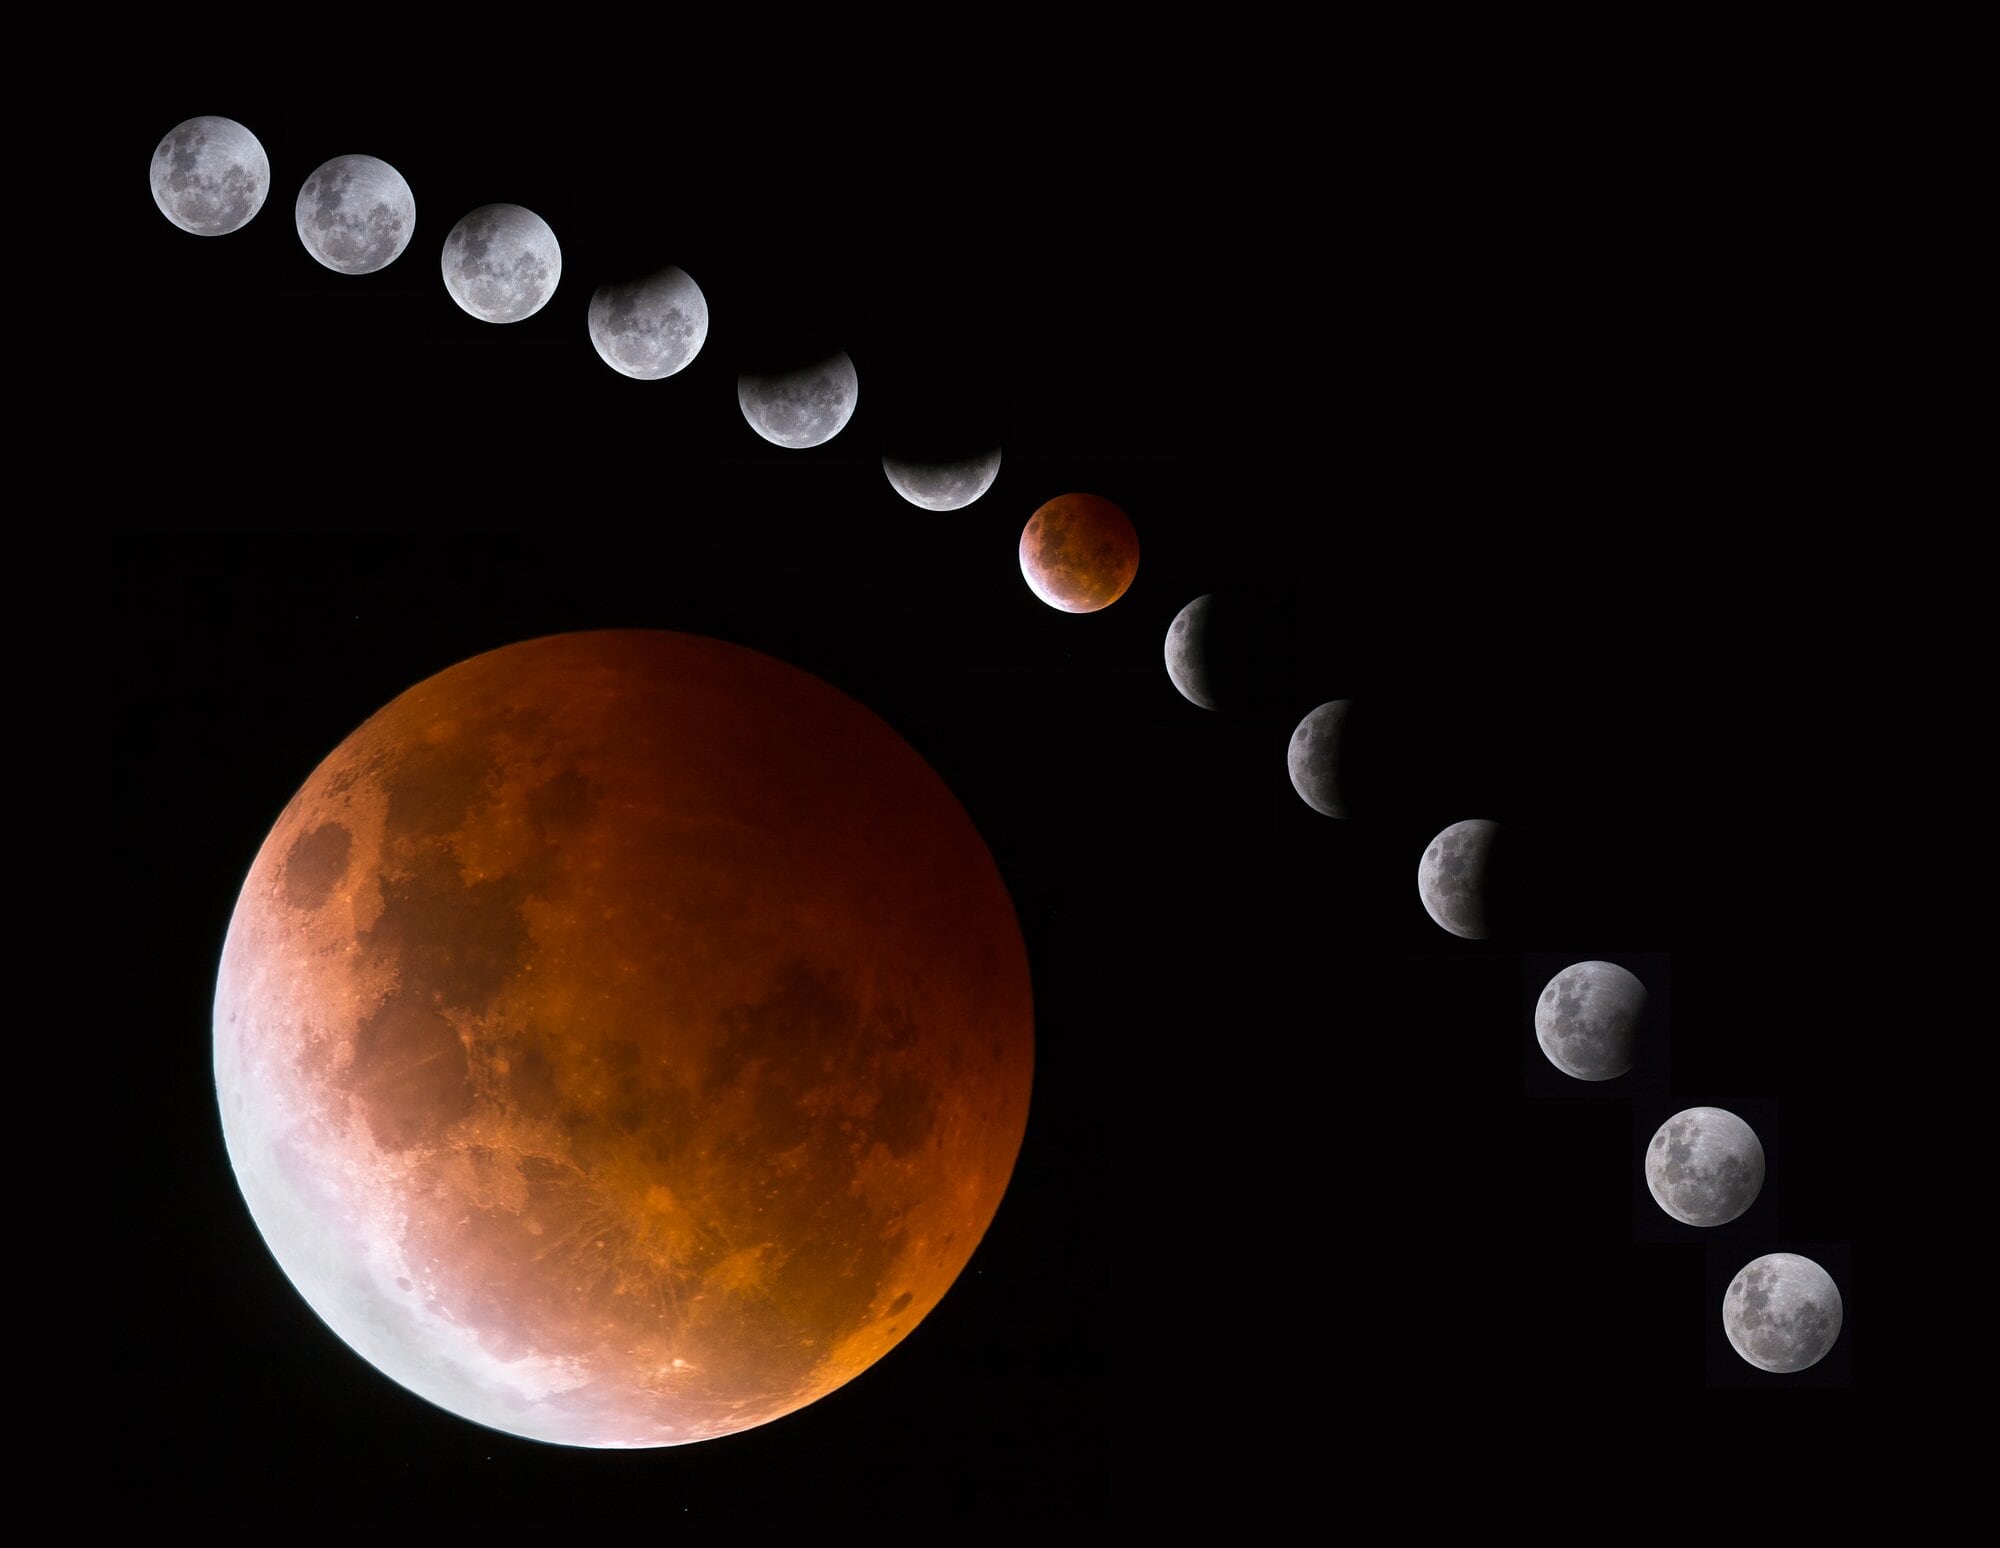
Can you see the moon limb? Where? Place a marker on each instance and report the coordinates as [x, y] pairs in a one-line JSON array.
[[1313, 758], [501, 263], [942, 486], [210, 176], [802, 408], [1451, 877], [1705, 1166], [1186, 652], [355, 214], [1587, 1018], [651, 328], [1782, 1312], [1079, 553]]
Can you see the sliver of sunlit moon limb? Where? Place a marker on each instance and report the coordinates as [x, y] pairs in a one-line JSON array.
[[1079, 553]]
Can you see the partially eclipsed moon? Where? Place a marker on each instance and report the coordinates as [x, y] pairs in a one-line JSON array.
[[943, 486], [1782, 1312], [652, 328], [623, 1039], [1314, 759], [1079, 552], [1451, 877], [210, 176], [355, 214], [1187, 654], [502, 263], [1587, 1020], [1705, 1166], [802, 408]]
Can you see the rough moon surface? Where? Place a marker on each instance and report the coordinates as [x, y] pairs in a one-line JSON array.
[[502, 263], [650, 328], [1186, 652], [356, 214], [806, 407], [1705, 1166], [623, 1039], [1079, 553], [210, 176], [1782, 1312], [1451, 877], [1587, 1020], [1313, 758], [943, 486]]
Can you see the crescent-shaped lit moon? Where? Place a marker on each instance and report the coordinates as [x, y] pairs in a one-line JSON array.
[[943, 486]]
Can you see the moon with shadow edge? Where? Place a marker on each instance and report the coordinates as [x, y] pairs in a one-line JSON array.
[[1705, 1166], [1587, 1020], [1782, 1312]]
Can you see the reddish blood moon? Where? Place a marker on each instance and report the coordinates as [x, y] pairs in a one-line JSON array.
[[623, 1039], [1079, 553]]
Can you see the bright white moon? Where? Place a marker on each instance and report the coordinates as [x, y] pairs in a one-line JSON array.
[[1782, 1312], [807, 407], [651, 328], [502, 263], [210, 176], [356, 214]]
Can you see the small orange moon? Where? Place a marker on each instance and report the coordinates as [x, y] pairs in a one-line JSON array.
[[1079, 553], [623, 1039]]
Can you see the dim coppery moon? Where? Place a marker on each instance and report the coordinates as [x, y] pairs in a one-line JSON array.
[[1782, 1312], [1451, 877], [623, 1039], [1079, 553], [1587, 1020], [1705, 1166], [210, 176]]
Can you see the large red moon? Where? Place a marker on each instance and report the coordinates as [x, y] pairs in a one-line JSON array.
[[623, 1039], [1079, 552]]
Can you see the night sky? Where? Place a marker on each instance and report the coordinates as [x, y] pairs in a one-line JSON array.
[[1287, 1136]]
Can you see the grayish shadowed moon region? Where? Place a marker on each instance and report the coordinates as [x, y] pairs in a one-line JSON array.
[[210, 176], [1451, 877], [502, 263], [1187, 652], [1705, 1166], [1314, 761], [355, 214], [1587, 1020], [807, 407], [1782, 1312], [943, 486], [651, 328]]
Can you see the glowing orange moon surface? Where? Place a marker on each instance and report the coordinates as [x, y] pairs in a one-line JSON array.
[[623, 1039], [1079, 553]]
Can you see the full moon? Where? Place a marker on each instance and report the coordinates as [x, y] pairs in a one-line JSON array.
[[1782, 1312], [943, 486], [806, 407], [1314, 761], [210, 176], [623, 1039], [1705, 1166], [650, 328], [355, 214], [1451, 877], [1587, 1020], [502, 263], [1079, 552]]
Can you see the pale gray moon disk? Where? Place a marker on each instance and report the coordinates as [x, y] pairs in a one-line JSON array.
[[1705, 1166], [502, 263], [1587, 1020], [1187, 652], [807, 407], [1314, 761], [1782, 1312], [355, 214], [1451, 877], [943, 486], [210, 176], [651, 328]]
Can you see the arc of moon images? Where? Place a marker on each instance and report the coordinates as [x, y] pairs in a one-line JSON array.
[[355, 214], [943, 486], [800, 408], [501, 263], [1079, 553], [1587, 1020], [1313, 759], [1782, 1312], [623, 1039], [1705, 1166], [210, 176], [650, 328], [1451, 877]]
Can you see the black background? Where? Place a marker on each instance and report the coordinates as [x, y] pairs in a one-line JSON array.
[[1280, 1142]]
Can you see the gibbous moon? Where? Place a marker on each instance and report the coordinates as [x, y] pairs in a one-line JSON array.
[[1587, 1020], [210, 176], [1782, 1312], [1314, 761], [355, 214], [1705, 1166], [806, 407], [1451, 877], [1079, 552], [623, 1039], [650, 328], [502, 263], [943, 486], [1187, 652]]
